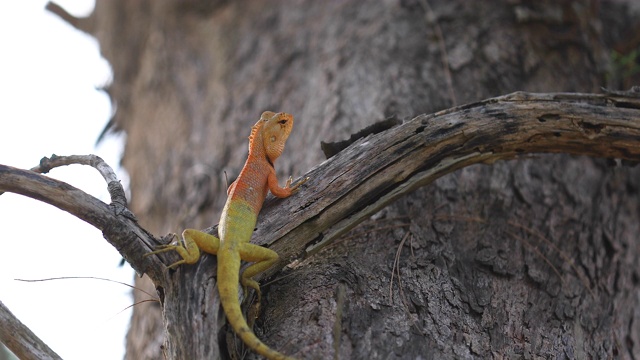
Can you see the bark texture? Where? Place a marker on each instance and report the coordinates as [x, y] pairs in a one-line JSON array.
[[532, 258]]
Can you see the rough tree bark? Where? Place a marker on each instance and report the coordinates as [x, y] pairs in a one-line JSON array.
[[533, 258]]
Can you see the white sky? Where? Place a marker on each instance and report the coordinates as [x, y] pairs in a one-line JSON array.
[[49, 104]]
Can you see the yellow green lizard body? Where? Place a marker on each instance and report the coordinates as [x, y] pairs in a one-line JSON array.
[[237, 222]]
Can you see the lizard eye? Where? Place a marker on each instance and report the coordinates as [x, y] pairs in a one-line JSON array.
[[282, 122]]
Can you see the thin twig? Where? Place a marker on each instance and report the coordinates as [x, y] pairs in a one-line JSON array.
[[134, 304], [89, 277], [566, 258], [96, 162], [114, 187], [534, 249], [403, 297]]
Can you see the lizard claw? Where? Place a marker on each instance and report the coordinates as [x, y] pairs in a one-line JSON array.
[[176, 264], [295, 187], [165, 247], [253, 314]]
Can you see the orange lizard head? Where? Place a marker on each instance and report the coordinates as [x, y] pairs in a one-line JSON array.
[[276, 128]]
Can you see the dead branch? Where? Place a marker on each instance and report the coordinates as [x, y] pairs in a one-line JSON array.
[[377, 169], [48, 164], [83, 24], [22, 341], [116, 192], [118, 227]]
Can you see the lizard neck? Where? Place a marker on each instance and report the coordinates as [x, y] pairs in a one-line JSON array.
[[257, 151], [250, 188]]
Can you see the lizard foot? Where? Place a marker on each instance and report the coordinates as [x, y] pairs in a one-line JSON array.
[[174, 245], [295, 187]]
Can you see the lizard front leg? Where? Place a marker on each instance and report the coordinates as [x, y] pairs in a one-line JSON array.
[[287, 190]]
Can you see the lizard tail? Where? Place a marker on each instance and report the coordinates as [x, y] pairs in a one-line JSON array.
[[242, 329], [228, 289]]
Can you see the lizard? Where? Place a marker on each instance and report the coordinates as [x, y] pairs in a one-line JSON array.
[[237, 222]]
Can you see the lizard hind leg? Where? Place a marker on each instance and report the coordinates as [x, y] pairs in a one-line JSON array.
[[262, 258], [193, 241], [201, 241], [196, 241], [177, 246]]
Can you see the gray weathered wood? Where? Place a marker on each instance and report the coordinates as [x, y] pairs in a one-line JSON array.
[[22, 341], [360, 180], [378, 169], [118, 227]]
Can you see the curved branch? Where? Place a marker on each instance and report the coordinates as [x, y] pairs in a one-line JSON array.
[[116, 192], [47, 164], [118, 228], [377, 169]]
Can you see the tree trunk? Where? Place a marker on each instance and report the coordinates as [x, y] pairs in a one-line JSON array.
[[532, 258]]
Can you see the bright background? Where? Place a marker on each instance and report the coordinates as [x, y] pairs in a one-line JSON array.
[[49, 104]]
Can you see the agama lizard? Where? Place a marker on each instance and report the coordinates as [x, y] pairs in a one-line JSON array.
[[237, 222]]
